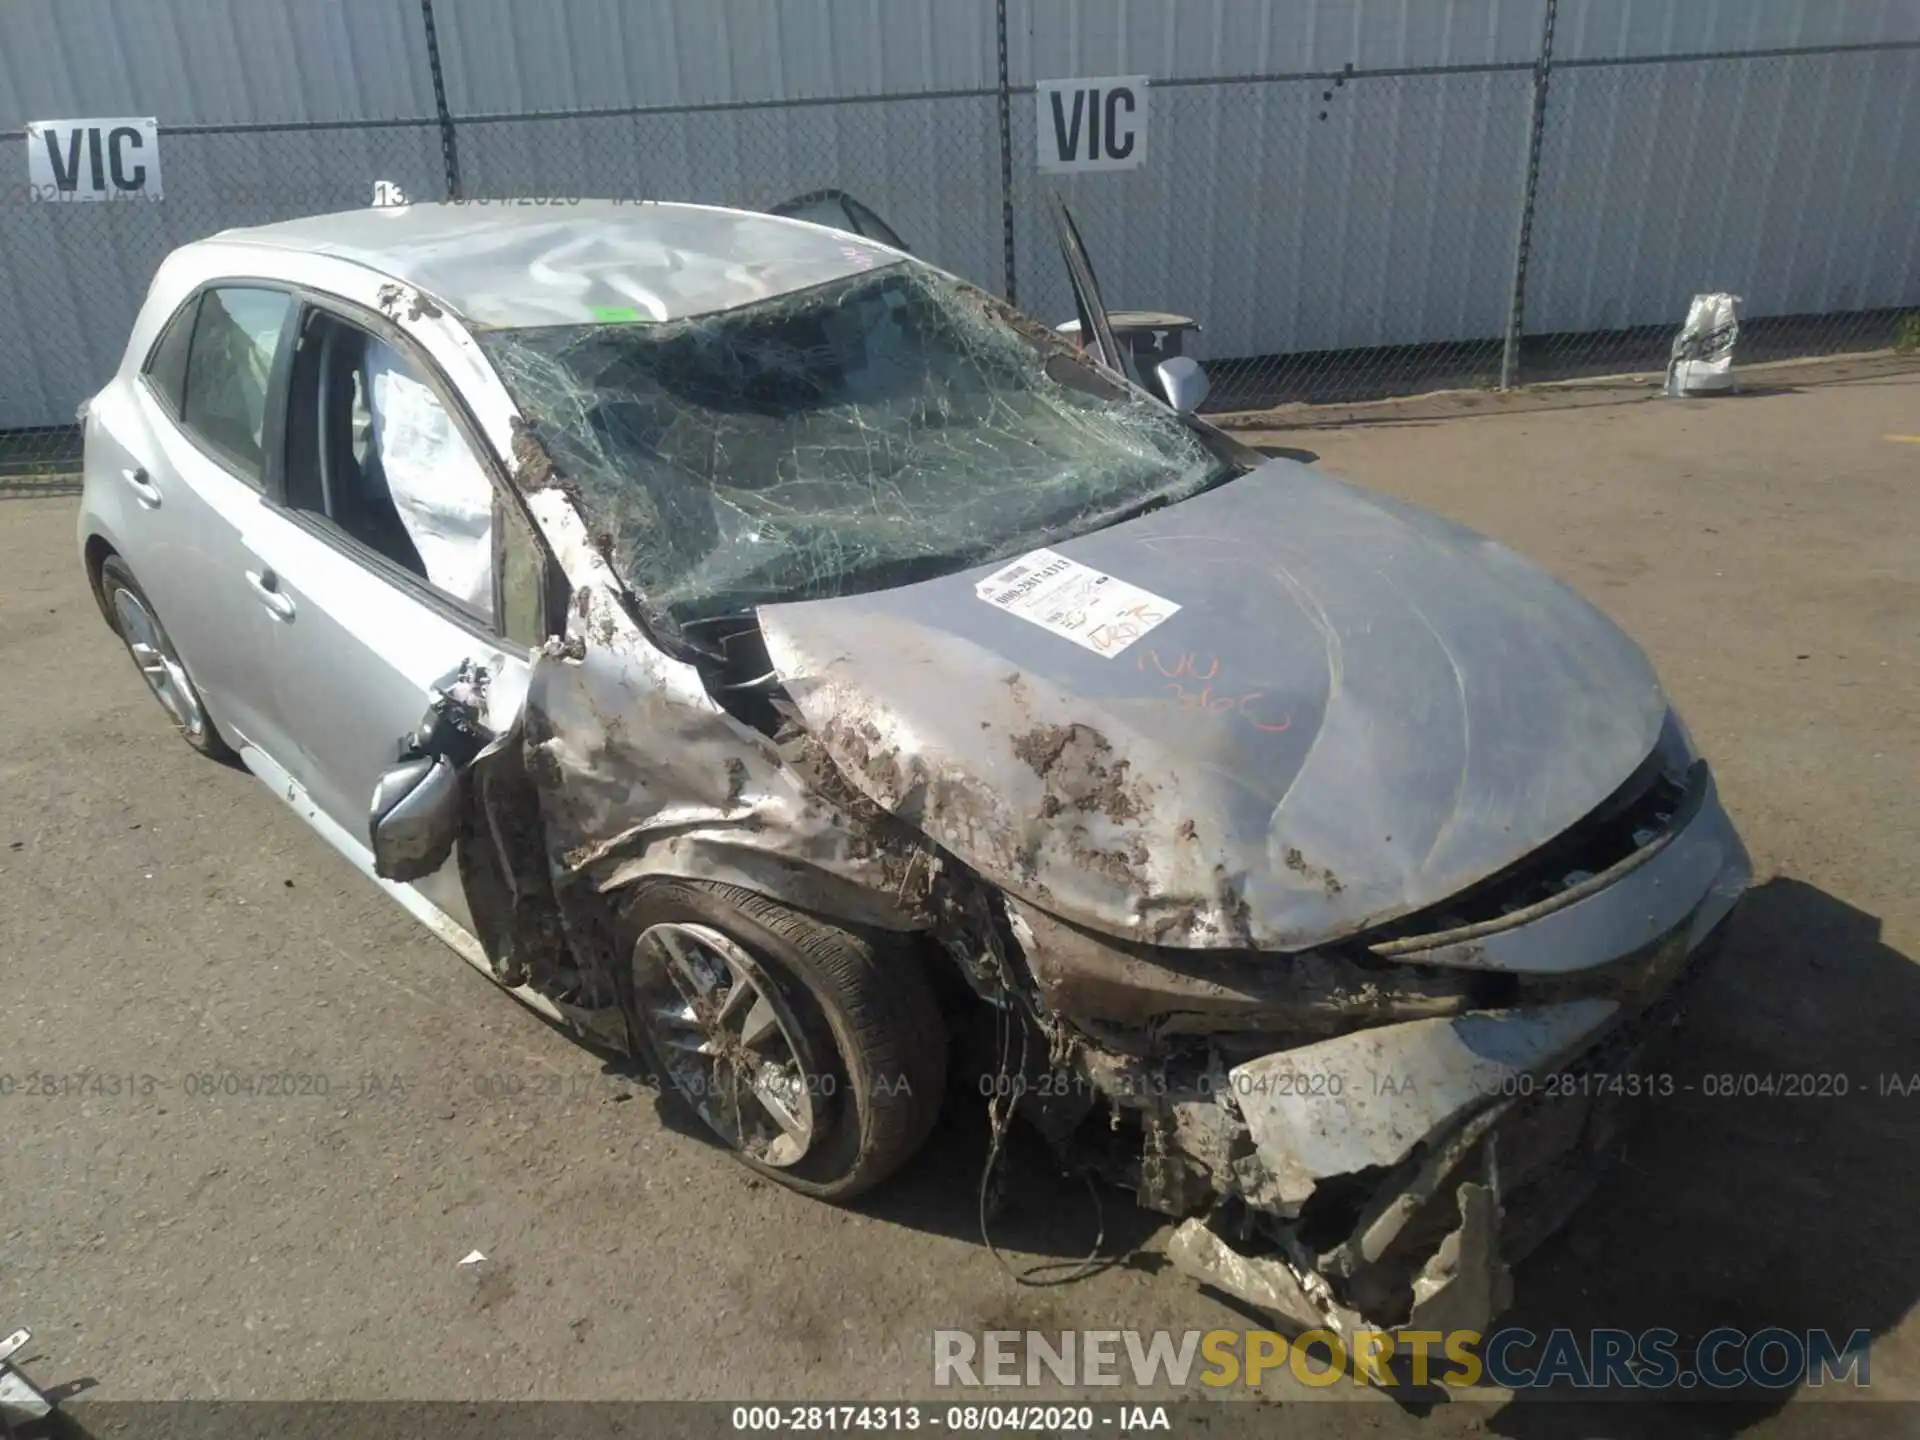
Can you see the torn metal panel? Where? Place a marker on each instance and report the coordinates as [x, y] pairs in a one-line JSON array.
[[1365, 1099], [640, 772], [1358, 710], [1465, 1283], [1265, 1282], [1461, 1282]]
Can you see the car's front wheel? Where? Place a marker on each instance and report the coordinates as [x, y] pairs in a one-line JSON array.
[[160, 666], [815, 1054]]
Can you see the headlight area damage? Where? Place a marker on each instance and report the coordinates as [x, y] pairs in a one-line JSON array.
[[1369, 1134], [1362, 1109]]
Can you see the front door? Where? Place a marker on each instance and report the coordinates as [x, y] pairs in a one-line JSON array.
[[382, 545]]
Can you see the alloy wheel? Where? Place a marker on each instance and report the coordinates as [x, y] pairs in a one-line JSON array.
[[729, 1042], [153, 653]]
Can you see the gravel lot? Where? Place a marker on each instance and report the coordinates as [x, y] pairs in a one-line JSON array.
[[164, 917]]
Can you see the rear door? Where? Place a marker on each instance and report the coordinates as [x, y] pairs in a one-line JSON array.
[[182, 452], [400, 557]]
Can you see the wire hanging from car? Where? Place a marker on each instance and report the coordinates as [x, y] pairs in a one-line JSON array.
[[1001, 1103]]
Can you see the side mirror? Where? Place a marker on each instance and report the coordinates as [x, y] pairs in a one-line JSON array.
[[1183, 382], [414, 818]]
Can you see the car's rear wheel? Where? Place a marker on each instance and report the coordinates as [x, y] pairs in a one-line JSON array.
[[159, 663], [814, 1053]]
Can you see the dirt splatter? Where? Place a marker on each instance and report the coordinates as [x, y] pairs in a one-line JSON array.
[[860, 742], [394, 299], [736, 781], [532, 465], [908, 867], [1236, 916], [1121, 867], [1297, 863], [1072, 760], [1187, 831], [1042, 747]]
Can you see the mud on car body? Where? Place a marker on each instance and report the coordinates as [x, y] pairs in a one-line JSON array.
[[868, 664]]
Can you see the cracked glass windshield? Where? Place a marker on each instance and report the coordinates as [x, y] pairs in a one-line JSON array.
[[879, 429]]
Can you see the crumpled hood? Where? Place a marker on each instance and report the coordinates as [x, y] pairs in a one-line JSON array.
[[1356, 710]]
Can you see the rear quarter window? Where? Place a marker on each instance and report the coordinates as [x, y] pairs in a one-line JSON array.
[[166, 367]]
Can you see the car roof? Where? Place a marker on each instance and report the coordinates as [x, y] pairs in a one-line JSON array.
[[514, 263]]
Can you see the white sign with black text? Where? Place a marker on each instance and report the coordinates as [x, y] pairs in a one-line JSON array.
[[93, 159], [1087, 125]]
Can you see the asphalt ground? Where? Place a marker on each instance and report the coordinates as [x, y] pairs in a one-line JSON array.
[[214, 1231]]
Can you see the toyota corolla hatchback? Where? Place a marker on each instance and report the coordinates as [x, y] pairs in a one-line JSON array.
[[774, 657]]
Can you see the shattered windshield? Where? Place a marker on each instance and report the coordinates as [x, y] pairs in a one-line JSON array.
[[881, 428]]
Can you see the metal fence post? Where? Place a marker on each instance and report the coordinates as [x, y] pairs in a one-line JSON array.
[[1005, 105], [449, 151], [1529, 192]]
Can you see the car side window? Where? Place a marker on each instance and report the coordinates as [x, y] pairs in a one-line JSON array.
[[371, 447], [167, 363], [236, 335], [523, 579]]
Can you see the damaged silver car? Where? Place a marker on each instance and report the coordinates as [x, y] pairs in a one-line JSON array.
[[779, 660]]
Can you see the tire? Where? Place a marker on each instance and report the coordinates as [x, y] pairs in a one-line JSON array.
[[855, 1011], [138, 625]]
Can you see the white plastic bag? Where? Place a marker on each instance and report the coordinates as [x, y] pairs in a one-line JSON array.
[[1702, 359]]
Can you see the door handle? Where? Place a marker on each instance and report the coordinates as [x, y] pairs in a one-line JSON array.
[[143, 489], [267, 586]]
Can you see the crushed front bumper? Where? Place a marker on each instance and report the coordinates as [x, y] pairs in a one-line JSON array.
[[1422, 1235], [1388, 1177]]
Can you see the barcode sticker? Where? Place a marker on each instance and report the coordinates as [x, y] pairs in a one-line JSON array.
[[1075, 601]]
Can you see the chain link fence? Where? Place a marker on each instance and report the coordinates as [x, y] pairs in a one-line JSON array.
[[929, 164], [1658, 181], [1363, 230], [1336, 237]]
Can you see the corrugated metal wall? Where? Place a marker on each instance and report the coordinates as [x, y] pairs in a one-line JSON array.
[[72, 277], [506, 55], [1290, 214], [193, 62]]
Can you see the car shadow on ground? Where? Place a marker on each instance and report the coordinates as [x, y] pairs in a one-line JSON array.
[[1289, 452], [1733, 1207], [1729, 1207], [1076, 1227]]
